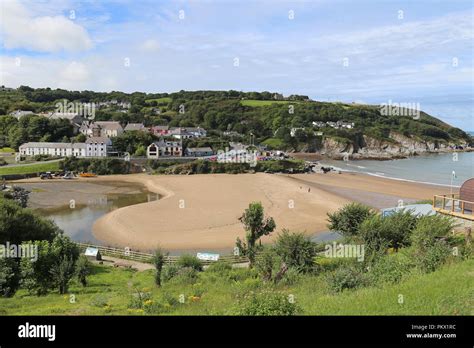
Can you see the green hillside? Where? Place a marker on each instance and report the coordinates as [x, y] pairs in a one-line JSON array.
[[269, 120]]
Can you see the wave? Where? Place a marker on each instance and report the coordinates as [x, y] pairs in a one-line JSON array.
[[408, 180]]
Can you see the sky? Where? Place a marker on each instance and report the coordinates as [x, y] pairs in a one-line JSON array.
[[377, 51]]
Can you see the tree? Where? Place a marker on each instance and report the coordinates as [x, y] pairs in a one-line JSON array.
[[256, 226], [62, 273], [348, 219], [83, 269], [158, 261], [9, 277], [18, 224]]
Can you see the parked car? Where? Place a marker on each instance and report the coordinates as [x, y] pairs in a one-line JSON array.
[[46, 175]]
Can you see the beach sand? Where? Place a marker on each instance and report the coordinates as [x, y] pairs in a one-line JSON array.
[[200, 212]]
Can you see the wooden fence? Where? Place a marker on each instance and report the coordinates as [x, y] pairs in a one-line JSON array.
[[452, 205], [127, 254]]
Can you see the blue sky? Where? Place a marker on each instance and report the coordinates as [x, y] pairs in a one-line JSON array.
[[342, 50]]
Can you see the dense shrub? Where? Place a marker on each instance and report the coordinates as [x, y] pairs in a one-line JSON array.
[[392, 231], [348, 219], [296, 250], [190, 261], [9, 277], [220, 267], [346, 277], [186, 275], [430, 258], [388, 269], [267, 303], [100, 166], [169, 271], [430, 248]]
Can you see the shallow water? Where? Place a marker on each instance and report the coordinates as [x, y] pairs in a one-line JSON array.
[[433, 168], [77, 221]]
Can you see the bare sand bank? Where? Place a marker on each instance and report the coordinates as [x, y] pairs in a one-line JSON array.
[[202, 211]]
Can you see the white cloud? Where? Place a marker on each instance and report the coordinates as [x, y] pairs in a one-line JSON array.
[[20, 29], [150, 46]]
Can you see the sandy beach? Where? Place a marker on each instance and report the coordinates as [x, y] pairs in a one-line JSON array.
[[200, 212]]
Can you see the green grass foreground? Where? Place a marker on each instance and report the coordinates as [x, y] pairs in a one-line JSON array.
[[30, 168], [447, 291]]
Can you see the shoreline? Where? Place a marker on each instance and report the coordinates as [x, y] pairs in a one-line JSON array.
[[208, 221], [146, 225]]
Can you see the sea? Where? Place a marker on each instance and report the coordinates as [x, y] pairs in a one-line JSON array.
[[449, 169]]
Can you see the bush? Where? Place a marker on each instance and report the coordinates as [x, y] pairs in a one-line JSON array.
[[291, 277], [99, 301], [346, 277], [296, 250], [348, 219], [190, 261], [388, 269], [3, 162], [169, 272], [186, 275], [429, 229], [267, 303], [220, 267], [429, 259], [428, 239], [393, 231]]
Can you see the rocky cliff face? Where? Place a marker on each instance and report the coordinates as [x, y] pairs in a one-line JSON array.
[[398, 146]]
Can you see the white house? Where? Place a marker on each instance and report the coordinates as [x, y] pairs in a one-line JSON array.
[[163, 148], [20, 113], [98, 146], [53, 149], [187, 132]]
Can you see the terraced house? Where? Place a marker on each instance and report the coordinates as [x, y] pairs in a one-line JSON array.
[[53, 149]]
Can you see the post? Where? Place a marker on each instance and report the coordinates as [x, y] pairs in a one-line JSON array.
[[467, 232], [444, 201]]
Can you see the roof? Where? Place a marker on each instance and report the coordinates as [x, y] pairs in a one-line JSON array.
[[134, 126], [110, 125], [161, 127], [165, 143], [53, 145], [91, 251], [199, 149], [414, 209], [104, 140]]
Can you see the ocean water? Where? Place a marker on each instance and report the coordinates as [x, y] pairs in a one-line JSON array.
[[432, 168]]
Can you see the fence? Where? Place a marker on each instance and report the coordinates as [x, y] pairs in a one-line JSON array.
[[452, 205], [127, 254]]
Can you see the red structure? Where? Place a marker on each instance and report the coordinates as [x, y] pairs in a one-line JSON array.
[[466, 193]]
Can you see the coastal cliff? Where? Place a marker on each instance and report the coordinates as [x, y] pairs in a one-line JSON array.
[[396, 146]]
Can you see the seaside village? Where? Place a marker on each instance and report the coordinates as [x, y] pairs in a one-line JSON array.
[[100, 140]]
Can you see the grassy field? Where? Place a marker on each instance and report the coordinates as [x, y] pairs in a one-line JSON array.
[[255, 103], [448, 291], [7, 150], [160, 101], [30, 168]]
